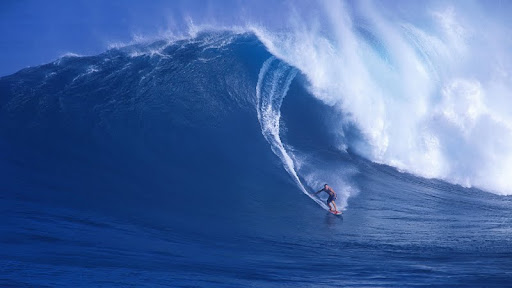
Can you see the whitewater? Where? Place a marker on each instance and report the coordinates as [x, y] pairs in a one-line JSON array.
[[421, 93]]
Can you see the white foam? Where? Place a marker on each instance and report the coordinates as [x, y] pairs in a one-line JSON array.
[[430, 92], [91, 69], [270, 92]]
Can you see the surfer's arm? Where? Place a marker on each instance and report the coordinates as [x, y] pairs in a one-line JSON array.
[[318, 191]]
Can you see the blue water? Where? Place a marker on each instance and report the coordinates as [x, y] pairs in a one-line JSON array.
[[151, 166]]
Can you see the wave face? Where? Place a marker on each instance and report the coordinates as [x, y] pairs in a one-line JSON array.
[[187, 162], [145, 120]]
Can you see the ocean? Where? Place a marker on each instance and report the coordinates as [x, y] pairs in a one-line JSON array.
[[191, 163]]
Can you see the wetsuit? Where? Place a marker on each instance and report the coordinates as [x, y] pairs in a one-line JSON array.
[[332, 195]]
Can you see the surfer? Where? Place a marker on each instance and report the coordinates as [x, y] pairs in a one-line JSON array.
[[332, 197]]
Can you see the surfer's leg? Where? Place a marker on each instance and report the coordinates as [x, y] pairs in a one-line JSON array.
[[334, 204], [330, 207], [329, 201]]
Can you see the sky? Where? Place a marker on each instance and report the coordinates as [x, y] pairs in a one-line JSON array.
[[35, 32]]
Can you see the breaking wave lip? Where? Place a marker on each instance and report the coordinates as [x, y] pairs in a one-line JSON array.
[[418, 92]]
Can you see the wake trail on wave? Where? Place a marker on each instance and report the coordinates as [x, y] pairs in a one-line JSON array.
[[274, 80]]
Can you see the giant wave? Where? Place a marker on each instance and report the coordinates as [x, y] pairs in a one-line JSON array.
[[197, 149]]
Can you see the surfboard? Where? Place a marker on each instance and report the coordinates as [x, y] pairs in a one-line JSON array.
[[335, 213]]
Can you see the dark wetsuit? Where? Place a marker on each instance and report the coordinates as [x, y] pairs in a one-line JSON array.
[[332, 195]]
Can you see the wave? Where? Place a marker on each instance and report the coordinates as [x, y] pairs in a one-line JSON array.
[[163, 114], [177, 106]]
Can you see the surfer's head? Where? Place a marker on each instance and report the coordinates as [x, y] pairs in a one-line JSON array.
[[325, 185]]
